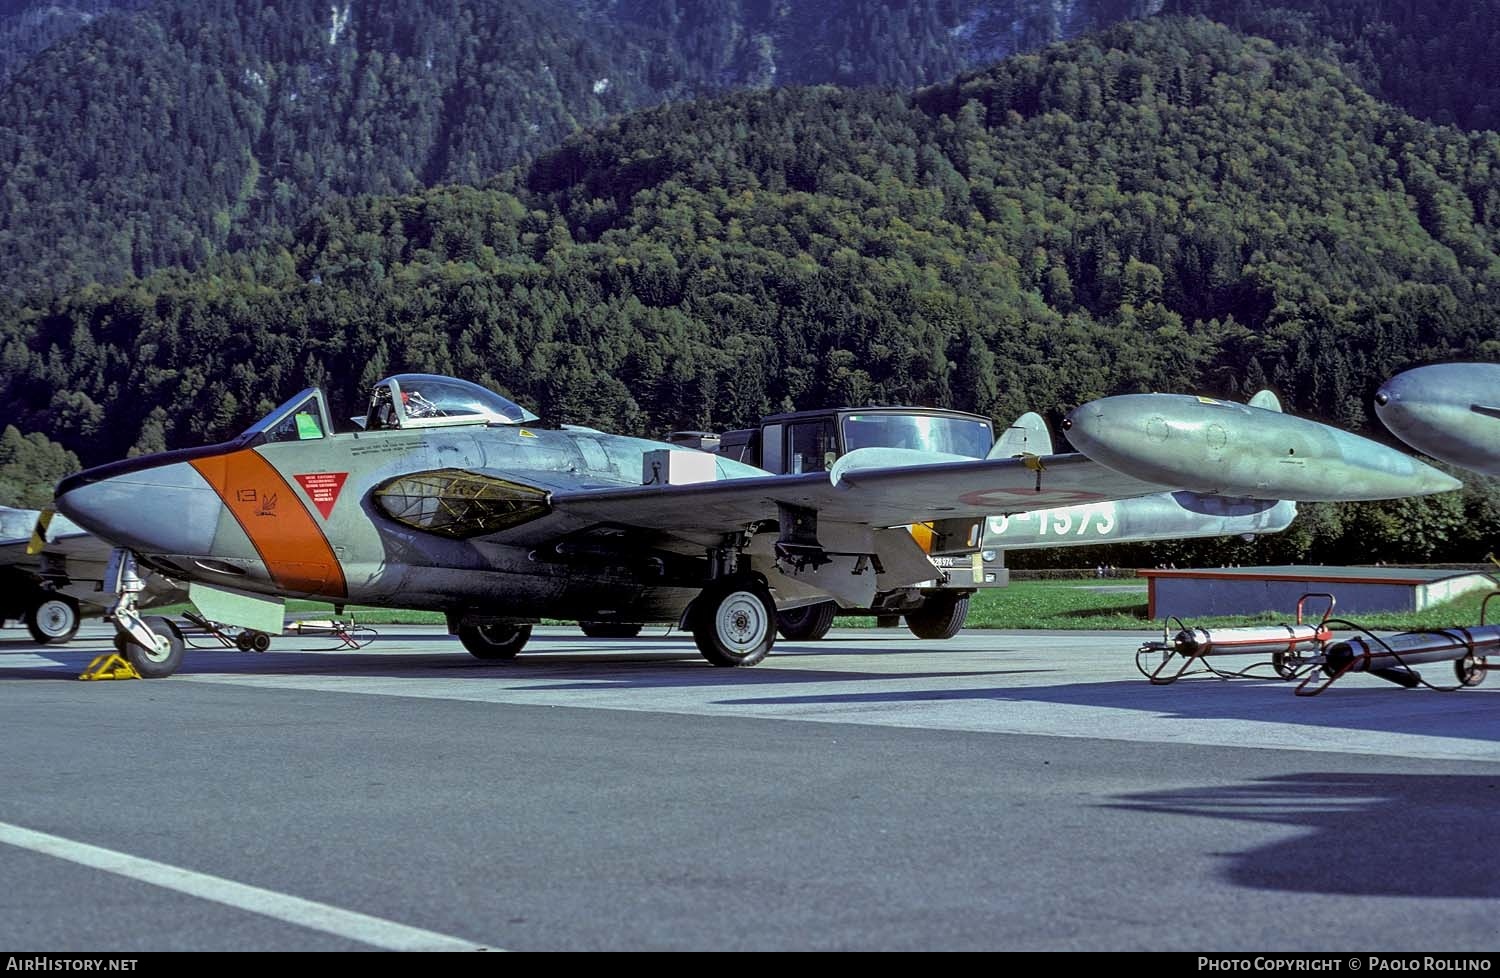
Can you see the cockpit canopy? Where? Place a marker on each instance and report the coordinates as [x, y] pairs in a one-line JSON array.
[[428, 401], [401, 401]]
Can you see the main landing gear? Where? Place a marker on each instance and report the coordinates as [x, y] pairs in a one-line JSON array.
[[495, 641], [52, 618], [734, 620]]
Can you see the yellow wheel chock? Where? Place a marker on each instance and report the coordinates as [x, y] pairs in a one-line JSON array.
[[111, 665]]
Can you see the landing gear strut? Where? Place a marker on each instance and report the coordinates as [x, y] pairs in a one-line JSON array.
[[153, 645]]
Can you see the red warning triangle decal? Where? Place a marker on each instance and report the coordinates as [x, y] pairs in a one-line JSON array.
[[323, 488]]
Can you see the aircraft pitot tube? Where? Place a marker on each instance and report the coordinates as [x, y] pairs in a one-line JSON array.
[[1212, 446]]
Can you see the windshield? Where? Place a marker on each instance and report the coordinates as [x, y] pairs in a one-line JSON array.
[[302, 418], [953, 436]]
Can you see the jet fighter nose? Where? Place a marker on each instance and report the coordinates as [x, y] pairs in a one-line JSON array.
[[151, 505]]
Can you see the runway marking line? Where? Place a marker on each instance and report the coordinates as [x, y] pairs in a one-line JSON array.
[[363, 928]]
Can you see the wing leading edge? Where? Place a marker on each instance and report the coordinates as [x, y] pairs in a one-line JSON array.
[[855, 492]]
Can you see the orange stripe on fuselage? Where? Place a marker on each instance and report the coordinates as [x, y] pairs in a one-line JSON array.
[[288, 539]]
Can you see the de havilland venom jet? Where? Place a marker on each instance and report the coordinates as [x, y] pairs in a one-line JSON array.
[[1450, 411], [453, 498]]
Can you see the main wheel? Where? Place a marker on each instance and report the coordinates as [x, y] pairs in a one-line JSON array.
[[734, 622], [53, 619], [939, 617], [610, 629], [163, 658], [495, 641], [808, 623]]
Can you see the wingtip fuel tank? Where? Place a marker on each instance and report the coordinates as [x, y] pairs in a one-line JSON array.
[[1213, 446], [1450, 411]]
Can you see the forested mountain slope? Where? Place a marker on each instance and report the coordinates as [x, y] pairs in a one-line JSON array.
[[157, 137], [1437, 59], [28, 27], [1166, 205], [194, 126]]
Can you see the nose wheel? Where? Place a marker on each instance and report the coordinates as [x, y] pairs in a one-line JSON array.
[[162, 657], [734, 621]]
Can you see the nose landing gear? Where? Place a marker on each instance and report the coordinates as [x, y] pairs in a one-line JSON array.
[[153, 645]]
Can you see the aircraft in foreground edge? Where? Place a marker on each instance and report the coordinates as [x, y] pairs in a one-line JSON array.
[[50, 572], [452, 498], [1451, 411]]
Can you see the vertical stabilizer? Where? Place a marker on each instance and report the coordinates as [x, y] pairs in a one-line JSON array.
[[1266, 401], [1027, 436]]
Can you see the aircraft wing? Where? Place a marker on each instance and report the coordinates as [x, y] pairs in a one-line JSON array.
[[18, 546], [854, 492], [13, 554]]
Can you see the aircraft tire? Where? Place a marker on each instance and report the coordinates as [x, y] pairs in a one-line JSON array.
[[162, 661], [940, 617], [887, 621], [53, 619], [610, 629], [734, 621], [808, 623], [494, 642]]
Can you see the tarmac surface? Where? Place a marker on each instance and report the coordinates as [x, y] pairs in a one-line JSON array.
[[1003, 790]]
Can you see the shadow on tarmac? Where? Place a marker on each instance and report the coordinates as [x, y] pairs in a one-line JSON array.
[[576, 662], [1404, 835], [1467, 715]]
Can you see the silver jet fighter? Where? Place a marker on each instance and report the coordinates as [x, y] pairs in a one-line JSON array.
[[1450, 411], [453, 498]]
